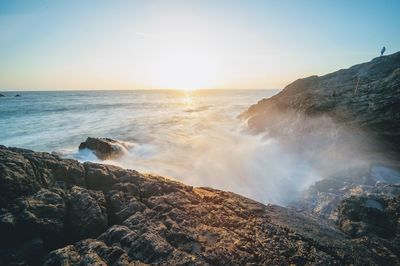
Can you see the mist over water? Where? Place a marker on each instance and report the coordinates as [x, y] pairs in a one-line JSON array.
[[194, 137]]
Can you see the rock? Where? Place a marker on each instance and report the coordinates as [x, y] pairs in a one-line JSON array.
[[308, 107], [324, 197], [17, 95], [87, 214], [7, 227], [29, 252], [42, 215], [2, 95], [24, 172], [98, 176], [374, 222], [365, 215], [104, 148], [349, 135], [90, 252], [142, 219]]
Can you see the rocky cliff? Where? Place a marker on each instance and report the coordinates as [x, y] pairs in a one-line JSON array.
[[62, 212], [364, 98], [346, 125]]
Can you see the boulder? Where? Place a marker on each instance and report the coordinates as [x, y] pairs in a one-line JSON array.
[[369, 215], [42, 215], [104, 148], [87, 214]]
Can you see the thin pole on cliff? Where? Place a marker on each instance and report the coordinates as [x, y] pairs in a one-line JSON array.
[[358, 81]]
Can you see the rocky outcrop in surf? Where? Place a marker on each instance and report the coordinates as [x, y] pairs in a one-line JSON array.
[[104, 148], [61, 212]]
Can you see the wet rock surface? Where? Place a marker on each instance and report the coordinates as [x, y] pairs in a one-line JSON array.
[[324, 197], [104, 148], [54, 216]]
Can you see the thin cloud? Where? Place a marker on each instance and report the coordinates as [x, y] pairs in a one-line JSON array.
[[143, 34]]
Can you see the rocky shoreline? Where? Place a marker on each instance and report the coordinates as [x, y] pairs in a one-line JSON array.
[[346, 124], [61, 212]]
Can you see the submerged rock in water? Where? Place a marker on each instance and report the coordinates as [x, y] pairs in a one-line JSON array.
[[143, 219], [104, 148]]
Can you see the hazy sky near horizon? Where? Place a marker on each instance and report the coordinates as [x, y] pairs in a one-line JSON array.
[[149, 44]]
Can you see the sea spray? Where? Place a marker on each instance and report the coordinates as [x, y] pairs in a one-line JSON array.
[[216, 152], [194, 137]]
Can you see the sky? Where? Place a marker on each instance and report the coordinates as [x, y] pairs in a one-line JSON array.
[[83, 45]]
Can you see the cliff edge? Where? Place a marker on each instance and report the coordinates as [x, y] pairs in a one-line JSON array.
[[364, 98]]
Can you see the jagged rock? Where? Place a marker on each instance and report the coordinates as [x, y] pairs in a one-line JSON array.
[[90, 252], [104, 148], [99, 176], [374, 222], [42, 215], [87, 214], [342, 125], [364, 215], [154, 220], [124, 202], [27, 174], [362, 98], [324, 197]]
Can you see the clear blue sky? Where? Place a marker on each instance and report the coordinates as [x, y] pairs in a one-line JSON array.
[[187, 44]]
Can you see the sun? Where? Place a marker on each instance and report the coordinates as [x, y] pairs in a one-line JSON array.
[[181, 56], [184, 68]]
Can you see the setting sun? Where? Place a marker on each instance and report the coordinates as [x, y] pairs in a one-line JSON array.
[[179, 67], [188, 58]]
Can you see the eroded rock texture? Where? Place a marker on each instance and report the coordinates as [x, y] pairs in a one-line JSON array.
[[61, 212]]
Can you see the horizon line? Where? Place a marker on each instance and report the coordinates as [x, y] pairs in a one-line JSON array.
[[167, 89]]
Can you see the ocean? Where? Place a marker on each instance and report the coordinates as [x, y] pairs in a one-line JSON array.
[[192, 136]]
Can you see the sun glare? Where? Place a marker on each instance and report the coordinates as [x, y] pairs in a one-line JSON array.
[[182, 68], [183, 56]]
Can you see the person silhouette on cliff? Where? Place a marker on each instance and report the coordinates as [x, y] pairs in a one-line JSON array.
[[383, 50]]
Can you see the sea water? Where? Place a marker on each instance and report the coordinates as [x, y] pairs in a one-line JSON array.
[[192, 136]]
